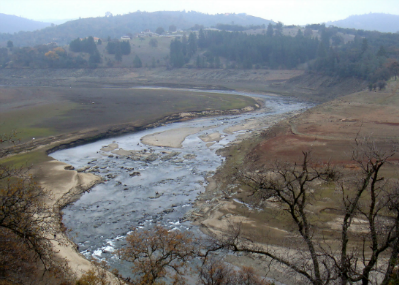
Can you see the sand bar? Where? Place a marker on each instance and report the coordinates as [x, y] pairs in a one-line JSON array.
[[214, 137], [171, 138]]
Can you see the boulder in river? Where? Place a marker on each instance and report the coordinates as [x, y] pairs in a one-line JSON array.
[[136, 173], [110, 147], [151, 157], [157, 195], [189, 156], [69, 167], [83, 169], [170, 155]]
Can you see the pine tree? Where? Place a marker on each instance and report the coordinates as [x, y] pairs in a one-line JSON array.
[[192, 44], [89, 45], [184, 45], [217, 62], [176, 53], [125, 47], [118, 53], [137, 62], [382, 51], [321, 51], [269, 31], [201, 39]]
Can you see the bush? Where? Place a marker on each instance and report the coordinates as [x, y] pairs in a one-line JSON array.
[[153, 43], [137, 62]]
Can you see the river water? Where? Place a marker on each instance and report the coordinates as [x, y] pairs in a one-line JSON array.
[[158, 185]]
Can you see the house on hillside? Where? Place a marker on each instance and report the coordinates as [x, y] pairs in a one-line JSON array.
[[125, 38], [147, 34]]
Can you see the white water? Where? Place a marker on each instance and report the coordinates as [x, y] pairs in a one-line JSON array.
[[165, 190]]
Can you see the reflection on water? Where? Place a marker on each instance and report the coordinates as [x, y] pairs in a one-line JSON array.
[[155, 185]]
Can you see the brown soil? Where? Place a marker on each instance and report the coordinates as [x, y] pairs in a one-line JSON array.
[[294, 83], [328, 131]]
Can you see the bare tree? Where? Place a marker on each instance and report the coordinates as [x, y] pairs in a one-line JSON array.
[[356, 257], [374, 199], [216, 272], [25, 246], [158, 253]]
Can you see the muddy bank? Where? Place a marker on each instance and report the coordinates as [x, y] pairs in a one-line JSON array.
[[205, 78], [65, 186], [329, 132], [54, 143], [296, 83]]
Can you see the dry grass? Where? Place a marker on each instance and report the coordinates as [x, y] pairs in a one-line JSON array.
[[37, 112]]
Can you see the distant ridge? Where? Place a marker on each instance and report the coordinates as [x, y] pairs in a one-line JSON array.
[[15, 24], [117, 26], [386, 23]]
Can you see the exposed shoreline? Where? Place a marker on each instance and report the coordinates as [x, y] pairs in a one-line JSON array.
[[265, 82], [54, 143], [66, 185]]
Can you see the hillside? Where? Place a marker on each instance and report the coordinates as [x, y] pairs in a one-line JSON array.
[[385, 23], [14, 24], [117, 26]]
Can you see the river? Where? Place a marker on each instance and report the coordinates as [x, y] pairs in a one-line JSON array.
[[145, 184]]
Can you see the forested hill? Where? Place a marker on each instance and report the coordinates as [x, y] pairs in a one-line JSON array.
[[14, 24], [117, 26], [371, 56], [385, 23]]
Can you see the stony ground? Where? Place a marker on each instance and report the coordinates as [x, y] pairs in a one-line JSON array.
[[329, 132]]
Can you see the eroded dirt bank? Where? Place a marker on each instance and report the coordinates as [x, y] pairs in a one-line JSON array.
[[328, 131]]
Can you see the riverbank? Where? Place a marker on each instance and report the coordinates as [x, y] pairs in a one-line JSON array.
[[93, 107], [146, 183], [329, 132], [65, 185], [293, 83]]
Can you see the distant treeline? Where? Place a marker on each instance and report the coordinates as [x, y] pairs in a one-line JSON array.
[[43, 56], [83, 45], [83, 54], [246, 51], [370, 55], [238, 28]]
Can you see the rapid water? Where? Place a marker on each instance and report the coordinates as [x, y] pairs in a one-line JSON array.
[[158, 187]]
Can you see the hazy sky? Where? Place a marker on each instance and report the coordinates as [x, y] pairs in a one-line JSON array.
[[287, 11]]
